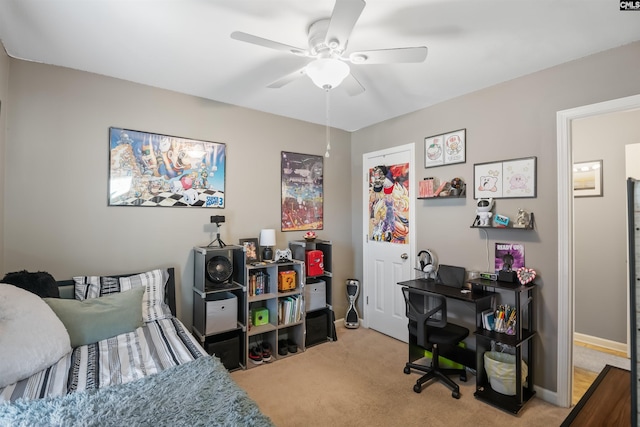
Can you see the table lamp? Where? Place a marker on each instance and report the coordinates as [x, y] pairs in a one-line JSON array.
[[267, 239]]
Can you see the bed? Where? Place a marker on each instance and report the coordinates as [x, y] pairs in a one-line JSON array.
[[153, 372]]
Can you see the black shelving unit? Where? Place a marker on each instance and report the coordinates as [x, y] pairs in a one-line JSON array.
[[227, 343], [522, 342], [320, 321]]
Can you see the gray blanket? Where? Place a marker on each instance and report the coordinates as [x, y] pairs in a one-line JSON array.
[[198, 393]]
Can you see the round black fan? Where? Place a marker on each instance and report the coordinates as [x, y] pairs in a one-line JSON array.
[[219, 269]]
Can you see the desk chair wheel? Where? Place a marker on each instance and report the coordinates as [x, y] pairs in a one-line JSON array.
[[407, 370], [417, 388], [455, 395]]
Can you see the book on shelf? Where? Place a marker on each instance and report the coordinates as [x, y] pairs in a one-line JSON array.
[[258, 283], [289, 310], [488, 320]]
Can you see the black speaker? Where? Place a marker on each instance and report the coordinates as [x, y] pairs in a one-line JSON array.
[[213, 268]]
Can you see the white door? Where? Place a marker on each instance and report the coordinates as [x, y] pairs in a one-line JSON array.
[[389, 237]]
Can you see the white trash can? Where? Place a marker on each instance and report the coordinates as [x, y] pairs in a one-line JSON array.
[[501, 370]]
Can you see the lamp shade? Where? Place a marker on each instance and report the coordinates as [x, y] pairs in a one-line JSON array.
[[268, 237], [327, 73]]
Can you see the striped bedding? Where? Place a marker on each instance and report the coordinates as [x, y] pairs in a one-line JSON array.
[[158, 345]]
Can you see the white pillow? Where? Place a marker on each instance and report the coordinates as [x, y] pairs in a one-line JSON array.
[[32, 337], [153, 282]]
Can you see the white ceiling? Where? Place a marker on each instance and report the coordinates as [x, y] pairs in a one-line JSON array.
[[184, 46]]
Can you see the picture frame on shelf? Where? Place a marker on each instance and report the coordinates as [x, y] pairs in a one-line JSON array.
[[252, 252], [506, 179], [445, 149], [587, 179], [153, 170]]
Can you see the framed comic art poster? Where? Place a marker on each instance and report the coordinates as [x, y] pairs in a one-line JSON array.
[[302, 192], [149, 169]]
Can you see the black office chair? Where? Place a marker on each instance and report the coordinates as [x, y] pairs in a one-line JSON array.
[[429, 330]]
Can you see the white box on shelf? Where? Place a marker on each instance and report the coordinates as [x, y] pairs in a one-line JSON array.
[[222, 313], [315, 295]]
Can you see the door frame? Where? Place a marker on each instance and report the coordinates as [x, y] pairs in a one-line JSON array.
[[365, 223], [566, 285]]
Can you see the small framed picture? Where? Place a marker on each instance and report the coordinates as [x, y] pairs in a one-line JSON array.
[[251, 249], [587, 179], [506, 179], [445, 149]]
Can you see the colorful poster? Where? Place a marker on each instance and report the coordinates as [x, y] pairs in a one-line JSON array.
[[302, 192], [389, 203], [148, 169], [509, 256]]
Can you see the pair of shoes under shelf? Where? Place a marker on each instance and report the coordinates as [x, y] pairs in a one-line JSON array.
[[255, 355], [287, 346], [282, 348], [265, 349]]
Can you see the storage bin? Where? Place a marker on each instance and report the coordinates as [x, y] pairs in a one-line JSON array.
[[317, 328], [315, 295], [228, 351], [222, 312], [501, 370]]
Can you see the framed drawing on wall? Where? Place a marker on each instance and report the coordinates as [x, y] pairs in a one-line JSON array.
[[302, 192], [514, 178], [587, 179], [149, 169], [445, 149]]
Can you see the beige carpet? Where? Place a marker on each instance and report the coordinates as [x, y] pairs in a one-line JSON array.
[[358, 381]]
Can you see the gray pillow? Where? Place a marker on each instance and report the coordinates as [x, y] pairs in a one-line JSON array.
[[96, 319]]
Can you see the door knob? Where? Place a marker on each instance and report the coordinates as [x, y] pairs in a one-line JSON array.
[[404, 256]]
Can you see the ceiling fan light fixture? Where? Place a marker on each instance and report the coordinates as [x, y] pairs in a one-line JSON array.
[[327, 73], [358, 58]]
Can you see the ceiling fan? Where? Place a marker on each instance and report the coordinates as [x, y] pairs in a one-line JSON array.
[[328, 39]]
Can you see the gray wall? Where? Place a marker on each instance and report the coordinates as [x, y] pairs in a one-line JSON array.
[[510, 120], [4, 90], [56, 213], [600, 227]]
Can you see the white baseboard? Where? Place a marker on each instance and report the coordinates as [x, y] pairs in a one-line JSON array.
[[601, 342], [547, 395]]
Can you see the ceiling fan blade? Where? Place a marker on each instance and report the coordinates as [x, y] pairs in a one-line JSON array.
[[288, 78], [249, 38], [352, 85], [389, 56], [343, 19]]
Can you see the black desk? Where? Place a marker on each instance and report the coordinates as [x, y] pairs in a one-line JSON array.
[[478, 296]]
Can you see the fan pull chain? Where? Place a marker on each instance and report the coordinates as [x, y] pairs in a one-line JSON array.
[[327, 130]]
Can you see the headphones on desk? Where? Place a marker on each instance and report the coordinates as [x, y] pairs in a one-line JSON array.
[[427, 262]]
